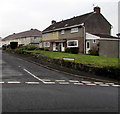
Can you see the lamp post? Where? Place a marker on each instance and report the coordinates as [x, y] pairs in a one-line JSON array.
[[118, 49], [118, 44]]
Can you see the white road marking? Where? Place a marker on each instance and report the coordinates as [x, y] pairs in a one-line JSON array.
[[104, 85], [98, 82], [49, 82], [116, 85], [13, 82], [32, 82], [73, 81], [60, 80], [86, 82], [78, 83], [91, 84], [110, 83], [63, 83], [33, 75], [2, 82]]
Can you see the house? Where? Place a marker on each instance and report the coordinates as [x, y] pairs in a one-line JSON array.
[[75, 32], [32, 36]]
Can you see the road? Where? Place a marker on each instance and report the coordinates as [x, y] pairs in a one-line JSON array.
[[27, 87]]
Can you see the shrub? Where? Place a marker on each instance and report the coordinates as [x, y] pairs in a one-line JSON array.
[[74, 50], [41, 48], [46, 49], [31, 47], [94, 51]]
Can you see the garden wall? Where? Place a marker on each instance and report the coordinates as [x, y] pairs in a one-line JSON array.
[[111, 72]]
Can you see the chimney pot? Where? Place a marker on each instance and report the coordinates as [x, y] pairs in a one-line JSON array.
[[53, 22], [97, 9]]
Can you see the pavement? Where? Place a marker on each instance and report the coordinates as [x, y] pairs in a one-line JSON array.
[[29, 87]]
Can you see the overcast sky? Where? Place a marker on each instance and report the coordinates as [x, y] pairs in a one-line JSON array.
[[22, 15]]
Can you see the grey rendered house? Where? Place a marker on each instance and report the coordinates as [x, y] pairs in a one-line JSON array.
[[29, 37], [79, 31]]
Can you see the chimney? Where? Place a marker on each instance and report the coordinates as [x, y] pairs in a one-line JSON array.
[[53, 22], [97, 9]]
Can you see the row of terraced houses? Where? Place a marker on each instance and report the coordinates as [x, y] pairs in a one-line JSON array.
[[84, 31]]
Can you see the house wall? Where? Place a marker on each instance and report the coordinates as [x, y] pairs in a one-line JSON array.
[[93, 44], [97, 24], [69, 35], [25, 41], [109, 48], [50, 36]]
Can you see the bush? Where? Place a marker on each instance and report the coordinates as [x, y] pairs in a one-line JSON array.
[[41, 48], [74, 50], [94, 51], [31, 47], [46, 49]]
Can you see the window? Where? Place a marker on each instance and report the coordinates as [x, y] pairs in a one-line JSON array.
[[46, 44], [45, 35], [73, 30], [54, 33], [72, 43], [63, 32], [94, 41]]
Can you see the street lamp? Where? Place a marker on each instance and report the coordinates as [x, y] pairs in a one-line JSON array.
[[118, 45]]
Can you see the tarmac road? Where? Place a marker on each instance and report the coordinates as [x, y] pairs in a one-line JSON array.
[[27, 87]]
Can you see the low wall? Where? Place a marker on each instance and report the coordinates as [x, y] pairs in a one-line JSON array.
[[111, 72]]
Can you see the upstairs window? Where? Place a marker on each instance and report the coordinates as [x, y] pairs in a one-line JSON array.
[[74, 30], [72, 43], [46, 44], [63, 32]]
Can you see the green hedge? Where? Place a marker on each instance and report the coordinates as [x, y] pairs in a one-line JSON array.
[[74, 50]]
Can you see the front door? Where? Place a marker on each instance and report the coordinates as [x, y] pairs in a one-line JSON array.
[[87, 47], [62, 48]]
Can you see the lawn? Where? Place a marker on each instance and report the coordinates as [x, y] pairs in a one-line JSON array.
[[96, 61]]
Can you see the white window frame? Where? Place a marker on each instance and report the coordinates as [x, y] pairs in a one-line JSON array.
[[63, 32], [74, 30], [72, 41], [48, 44]]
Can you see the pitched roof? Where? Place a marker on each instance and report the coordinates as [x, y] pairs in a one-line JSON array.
[[78, 20], [105, 36], [30, 33], [69, 22]]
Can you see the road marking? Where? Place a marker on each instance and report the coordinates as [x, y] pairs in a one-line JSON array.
[[33, 75], [104, 85], [2, 82], [110, 83], [64, 83], [78, 83], [73, 81], [116, 85], [32, 82], [98, 82], [91, 84], [49, 82], [13, 82], [86, 82], [60, 80]]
